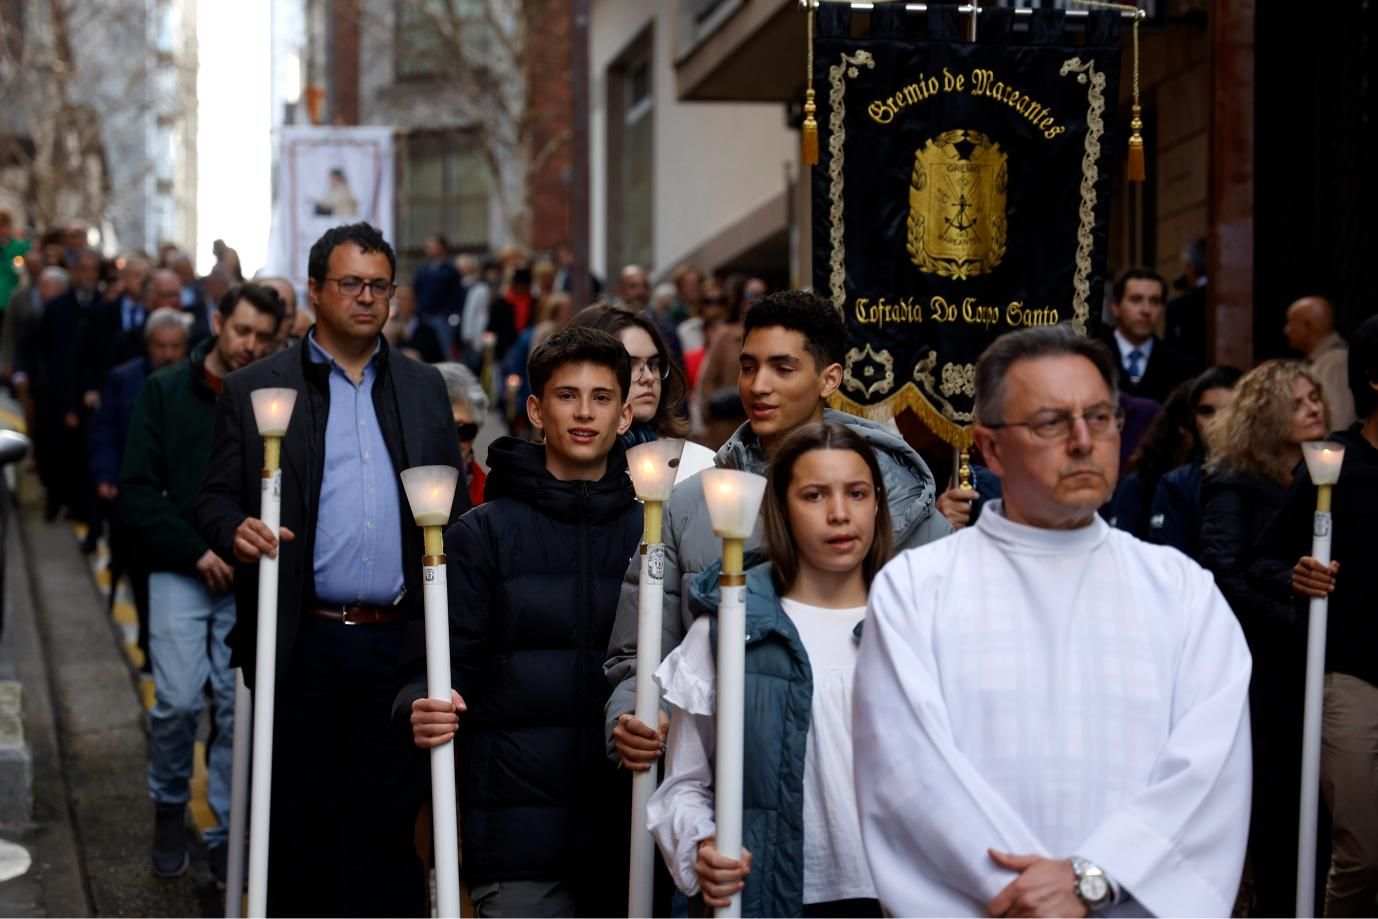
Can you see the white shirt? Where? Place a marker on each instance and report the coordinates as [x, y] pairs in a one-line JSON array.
[[1127, 347], [1330, 363], [1055, 693], [680, 813]]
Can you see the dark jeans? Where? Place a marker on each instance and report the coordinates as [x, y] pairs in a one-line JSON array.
[[125, 562], [346, 788]]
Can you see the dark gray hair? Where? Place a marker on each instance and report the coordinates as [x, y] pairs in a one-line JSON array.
[[1027, 344], [463, 388]]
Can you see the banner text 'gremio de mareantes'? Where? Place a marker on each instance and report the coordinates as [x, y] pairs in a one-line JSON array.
[[962, 192]]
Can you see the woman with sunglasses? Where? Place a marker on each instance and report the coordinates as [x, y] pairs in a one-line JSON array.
[[658, 385], [469, 409], [828, 532]]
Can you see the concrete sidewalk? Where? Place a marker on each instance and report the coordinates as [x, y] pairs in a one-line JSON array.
[[93, 822]]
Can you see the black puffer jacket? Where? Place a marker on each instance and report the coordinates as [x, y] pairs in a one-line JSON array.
[[534, 575]]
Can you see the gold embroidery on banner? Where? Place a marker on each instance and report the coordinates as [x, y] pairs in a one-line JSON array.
[[1095, 126], [837, 135], [957, 221], [923, 375], [959, 378], [871, 362]]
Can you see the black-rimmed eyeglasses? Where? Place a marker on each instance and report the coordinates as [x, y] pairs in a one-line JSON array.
[[352, 286]]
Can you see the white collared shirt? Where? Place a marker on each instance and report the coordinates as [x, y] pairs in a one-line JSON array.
[[1126, 347]]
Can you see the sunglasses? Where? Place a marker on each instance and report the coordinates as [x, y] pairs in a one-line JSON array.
[[466, 431]]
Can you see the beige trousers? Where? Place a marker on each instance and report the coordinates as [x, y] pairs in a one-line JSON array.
[[1349, 780]]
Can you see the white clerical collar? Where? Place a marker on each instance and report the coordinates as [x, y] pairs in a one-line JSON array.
[[1020, 537]]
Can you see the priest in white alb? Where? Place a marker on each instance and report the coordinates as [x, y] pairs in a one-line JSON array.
[[1051, 717]]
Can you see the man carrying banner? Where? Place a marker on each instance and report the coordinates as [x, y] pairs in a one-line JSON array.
[[1051, 716]]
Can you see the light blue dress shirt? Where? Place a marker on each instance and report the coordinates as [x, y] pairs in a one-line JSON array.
[[358, 555]]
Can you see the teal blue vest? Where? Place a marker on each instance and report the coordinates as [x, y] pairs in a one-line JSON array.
[[779, 697]]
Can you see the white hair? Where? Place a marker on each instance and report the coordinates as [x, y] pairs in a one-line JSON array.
[[55, 273], [463, 389], [166, 317]]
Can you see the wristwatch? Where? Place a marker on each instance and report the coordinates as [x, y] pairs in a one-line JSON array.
[[1092, 887]]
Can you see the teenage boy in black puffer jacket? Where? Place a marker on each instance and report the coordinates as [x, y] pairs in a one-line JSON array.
[[534, 579]]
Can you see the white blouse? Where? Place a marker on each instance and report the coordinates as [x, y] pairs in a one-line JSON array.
[[680, 813]]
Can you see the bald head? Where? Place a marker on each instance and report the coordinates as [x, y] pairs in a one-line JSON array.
[[165, 290], [632, 286], [1309, 320]]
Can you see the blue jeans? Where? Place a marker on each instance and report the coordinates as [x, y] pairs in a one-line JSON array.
[[188, 623]]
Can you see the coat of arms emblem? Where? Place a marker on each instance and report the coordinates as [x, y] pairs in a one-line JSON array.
[[957, 221]]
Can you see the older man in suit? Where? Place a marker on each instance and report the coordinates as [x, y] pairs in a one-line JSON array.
[[345, 791]]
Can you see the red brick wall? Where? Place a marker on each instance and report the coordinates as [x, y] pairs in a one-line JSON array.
[[551, 108]]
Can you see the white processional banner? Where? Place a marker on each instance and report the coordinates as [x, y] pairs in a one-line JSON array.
[[328, 176]]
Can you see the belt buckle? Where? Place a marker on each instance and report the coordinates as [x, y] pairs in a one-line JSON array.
[[345, 616]]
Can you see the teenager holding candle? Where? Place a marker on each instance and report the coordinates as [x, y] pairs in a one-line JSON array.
[[533, 580], [790, 364], [827, 528]]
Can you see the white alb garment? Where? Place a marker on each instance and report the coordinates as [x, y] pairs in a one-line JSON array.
[[680, 813], [1052, 693]]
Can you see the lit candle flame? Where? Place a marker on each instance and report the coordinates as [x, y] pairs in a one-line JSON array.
[[273, 407]]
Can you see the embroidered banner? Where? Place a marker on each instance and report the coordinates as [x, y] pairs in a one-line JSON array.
[[962, 192]]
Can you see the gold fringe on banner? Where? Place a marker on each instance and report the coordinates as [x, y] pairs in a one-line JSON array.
[[908, 397], [810, 132]]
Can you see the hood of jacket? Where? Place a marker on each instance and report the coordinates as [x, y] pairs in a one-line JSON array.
[[910, 489], [517, 470]]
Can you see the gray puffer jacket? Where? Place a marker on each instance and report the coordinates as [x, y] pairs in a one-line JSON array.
[[690, 545]]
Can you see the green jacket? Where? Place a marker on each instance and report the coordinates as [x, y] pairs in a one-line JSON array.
[[165, 460], [9, 277]]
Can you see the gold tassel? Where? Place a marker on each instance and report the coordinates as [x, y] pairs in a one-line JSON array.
[[1135, 169], [809, 135]]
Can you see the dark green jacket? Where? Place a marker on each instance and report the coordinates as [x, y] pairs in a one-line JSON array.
[[165, 460], [779, 712]]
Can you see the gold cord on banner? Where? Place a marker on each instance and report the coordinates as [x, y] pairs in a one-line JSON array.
[[810, 132], [1135, 169]]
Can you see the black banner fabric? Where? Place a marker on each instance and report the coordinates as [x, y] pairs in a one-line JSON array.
[[962, 192]]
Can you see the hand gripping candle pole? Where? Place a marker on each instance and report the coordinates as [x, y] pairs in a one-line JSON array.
[[734, 500], [1323, 461], [272, 412], [652, 467], [431, 494]]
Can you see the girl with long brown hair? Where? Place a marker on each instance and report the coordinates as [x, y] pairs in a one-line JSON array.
[[828, 531]]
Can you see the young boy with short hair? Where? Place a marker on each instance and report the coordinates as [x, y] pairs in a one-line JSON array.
[[533, 581]]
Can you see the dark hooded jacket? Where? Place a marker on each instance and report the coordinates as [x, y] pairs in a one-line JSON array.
[[534, 575]]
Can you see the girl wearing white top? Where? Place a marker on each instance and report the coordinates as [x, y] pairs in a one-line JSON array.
[[828, 533]]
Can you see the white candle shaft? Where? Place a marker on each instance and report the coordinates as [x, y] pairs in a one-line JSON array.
[[239, 798], [443, 805], [731, 716], [650, 600], [1311, 728], [265, 679]]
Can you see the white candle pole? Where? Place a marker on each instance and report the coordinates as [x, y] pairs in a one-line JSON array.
[[272, 412], [431, 493], [652, 467], [239, 798], [734, 500], [1323, 461]]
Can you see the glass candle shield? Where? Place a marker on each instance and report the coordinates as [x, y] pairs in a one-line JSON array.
[[430, 492], [272, 410], [1323, 460], [653, 466], [734, 501]]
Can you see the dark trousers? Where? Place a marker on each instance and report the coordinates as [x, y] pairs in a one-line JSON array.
[[125, 562], [346, 788]]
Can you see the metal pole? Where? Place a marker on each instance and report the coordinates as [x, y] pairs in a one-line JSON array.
[[1311, 729], [444, 810], [731, 709], [260, 810], [650, 599], [239, 798]]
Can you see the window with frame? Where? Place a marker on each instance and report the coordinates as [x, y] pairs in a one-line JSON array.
[[631, 161], [445, 189], [429, 31]]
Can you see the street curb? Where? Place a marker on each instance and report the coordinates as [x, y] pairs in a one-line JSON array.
[[16, 761]]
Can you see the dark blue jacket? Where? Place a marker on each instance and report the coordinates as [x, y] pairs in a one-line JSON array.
[[110, 424], [1174, 517], [779, 711]]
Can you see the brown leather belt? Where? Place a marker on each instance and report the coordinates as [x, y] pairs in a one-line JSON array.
[[359, 615]]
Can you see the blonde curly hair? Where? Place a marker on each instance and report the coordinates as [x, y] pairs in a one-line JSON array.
[[1249, 434]]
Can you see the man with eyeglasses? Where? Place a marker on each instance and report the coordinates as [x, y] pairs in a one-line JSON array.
[[345, 790], [1051, 717]]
